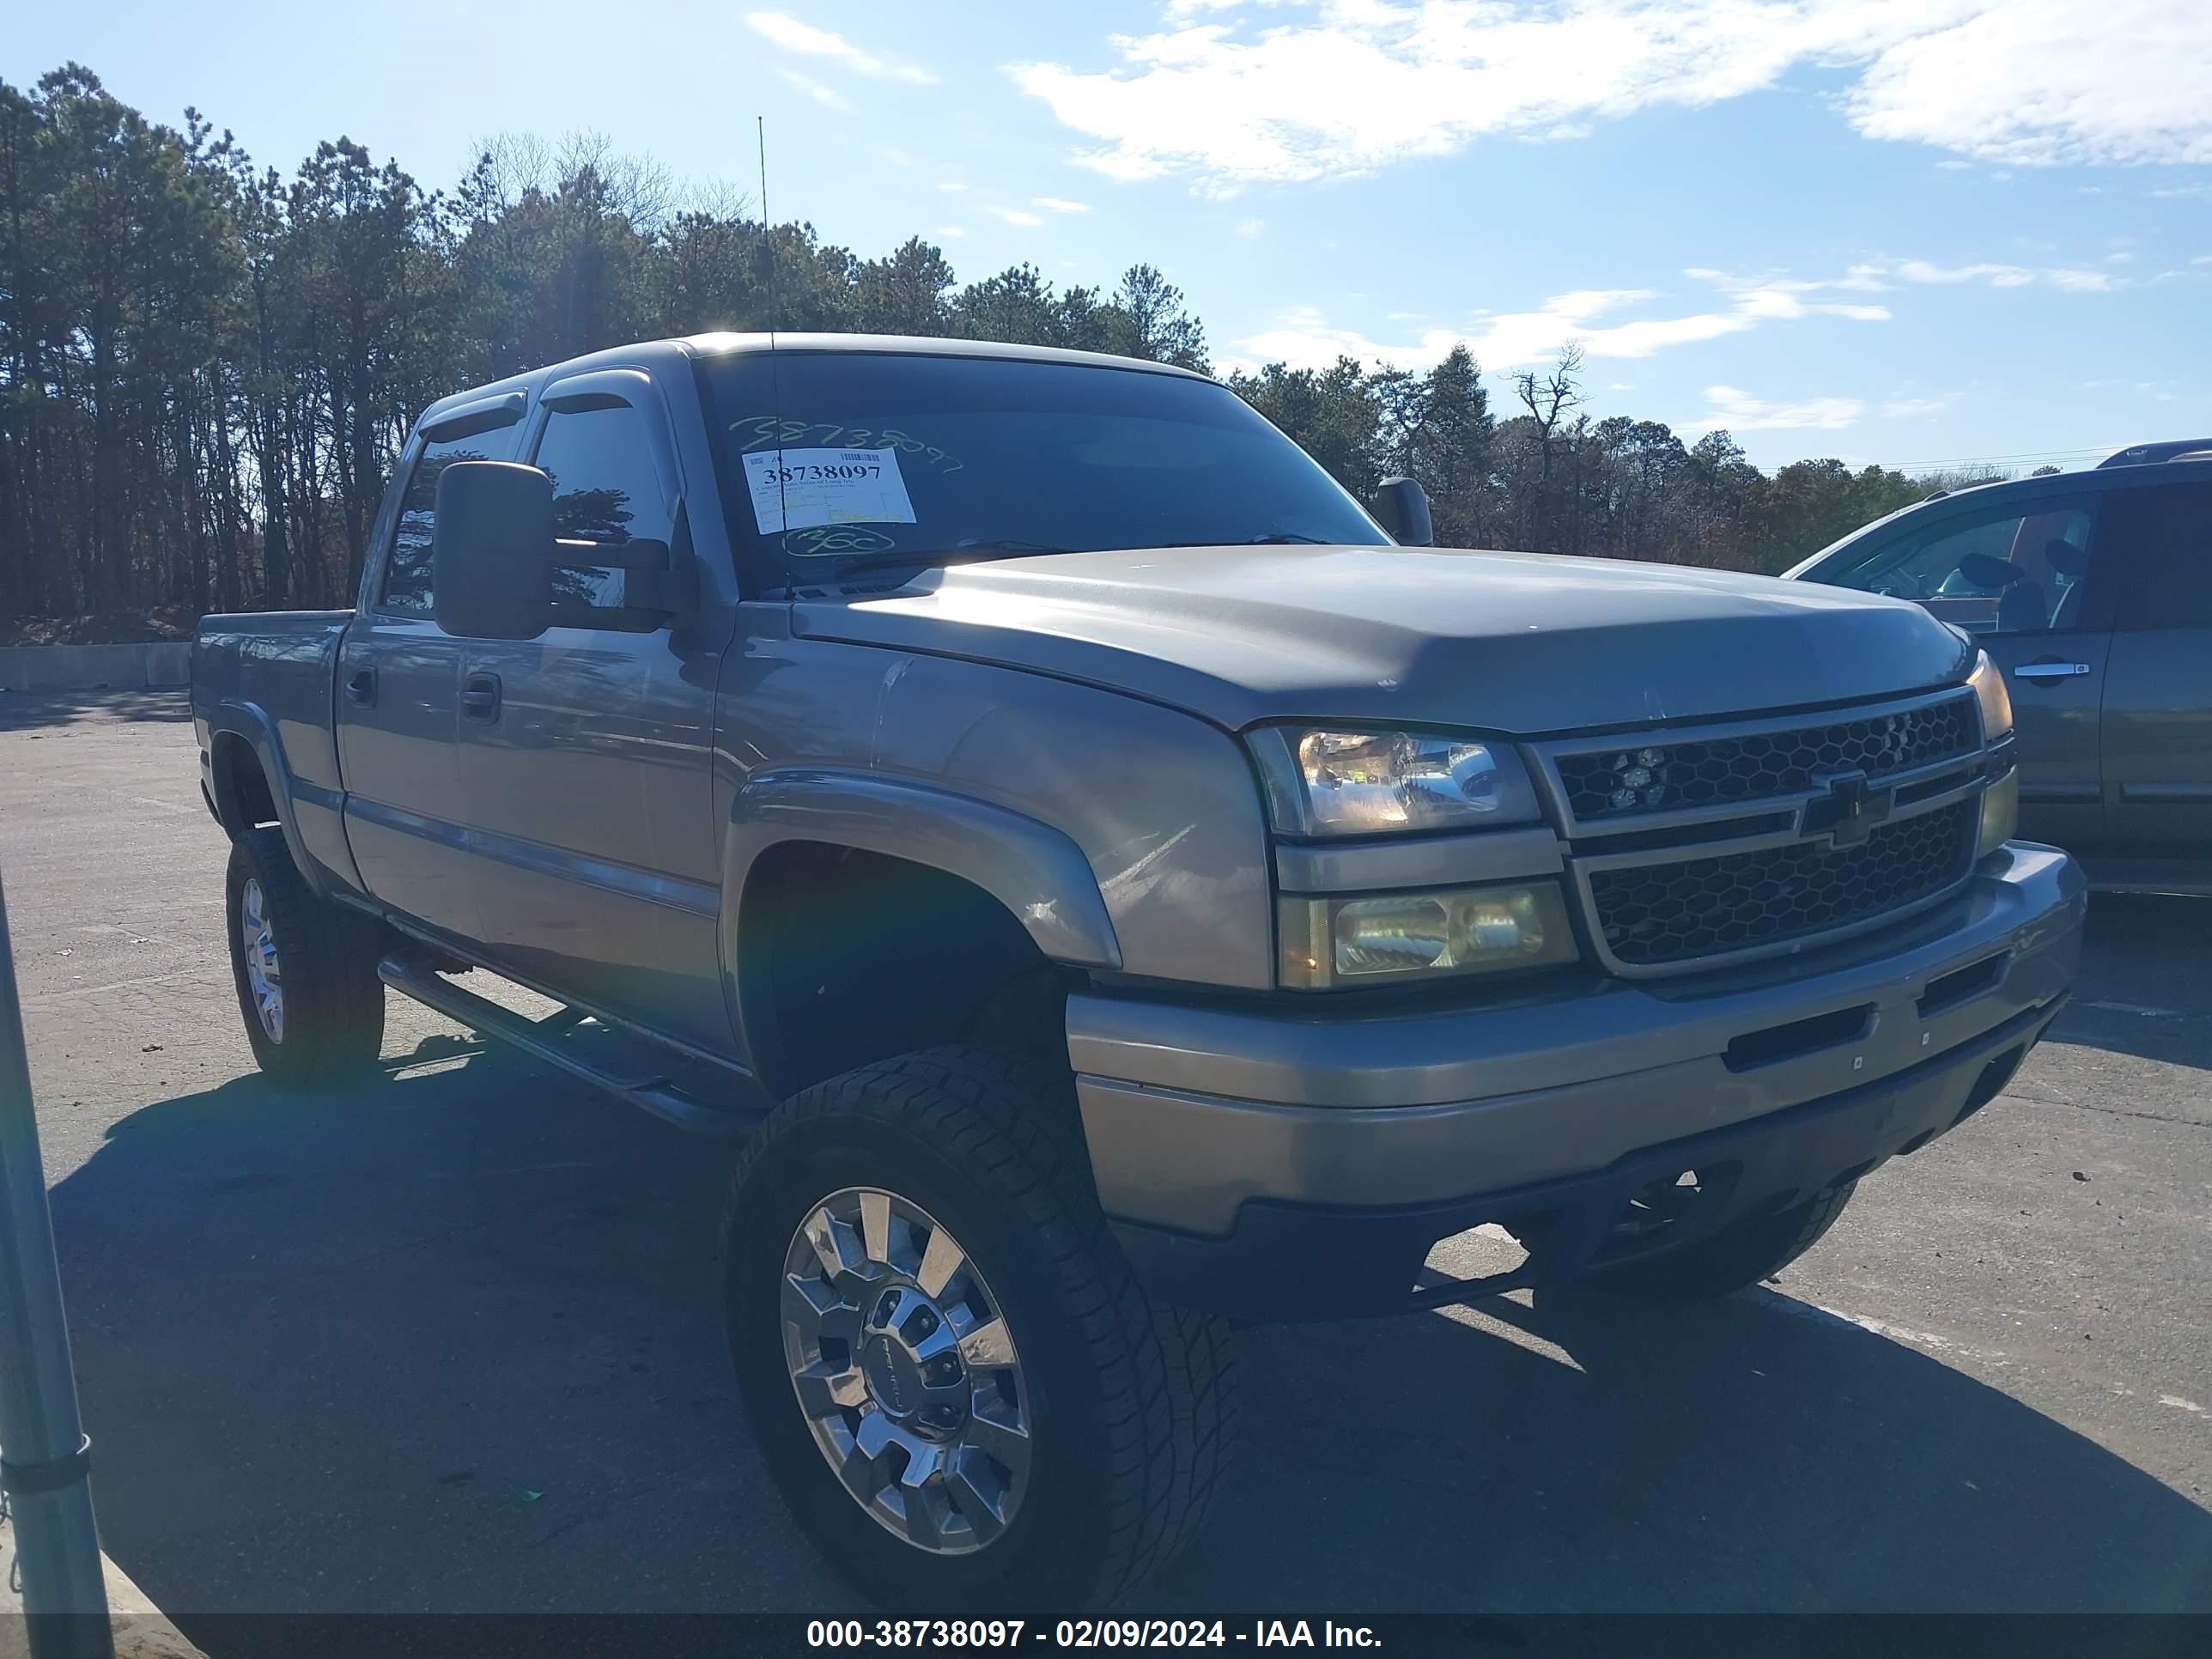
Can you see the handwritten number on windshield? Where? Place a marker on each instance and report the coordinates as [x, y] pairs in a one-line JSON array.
[[769, 432]]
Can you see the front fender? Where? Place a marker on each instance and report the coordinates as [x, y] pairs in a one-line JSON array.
[[1035, 870]]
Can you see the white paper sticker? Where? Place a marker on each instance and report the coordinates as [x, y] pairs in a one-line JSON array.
[[794, 489]]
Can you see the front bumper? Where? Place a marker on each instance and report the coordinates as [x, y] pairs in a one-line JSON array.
[[1282, 1164]]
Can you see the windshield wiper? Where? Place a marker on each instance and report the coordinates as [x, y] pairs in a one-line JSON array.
[[1272, 537]]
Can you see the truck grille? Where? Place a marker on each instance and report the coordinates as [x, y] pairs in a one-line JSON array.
[[1659, 776], [1653, 915]]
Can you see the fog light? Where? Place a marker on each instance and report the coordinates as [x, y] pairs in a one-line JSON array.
[[1473, 930], [2000, 813]]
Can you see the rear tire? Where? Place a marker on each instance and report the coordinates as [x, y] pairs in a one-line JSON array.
[[305, 970], [1732, 1259], [1125, 1406]]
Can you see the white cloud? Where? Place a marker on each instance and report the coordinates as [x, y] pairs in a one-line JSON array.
[[1059, 205], [1353, 85], [1017, 216], [1592, 317], [1739, 411], [829, 97], [780, 29], [1247, 228], [952, 230], [2085, 282], [1996, 275], [1907, 408], [2036, 82], [2067, 279], [953, 188]]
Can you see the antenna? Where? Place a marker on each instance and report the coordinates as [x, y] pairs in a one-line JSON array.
[[774, 377], [768, 227]]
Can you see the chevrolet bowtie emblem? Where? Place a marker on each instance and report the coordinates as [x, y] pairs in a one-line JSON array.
[[1848, 812]]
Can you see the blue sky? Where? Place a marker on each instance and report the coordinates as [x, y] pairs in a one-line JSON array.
[[1910, 231]]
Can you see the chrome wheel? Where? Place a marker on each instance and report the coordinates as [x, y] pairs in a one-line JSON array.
[[256, 943], [905, 1370]]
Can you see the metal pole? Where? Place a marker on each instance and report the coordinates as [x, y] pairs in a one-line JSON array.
[[43, 1461]]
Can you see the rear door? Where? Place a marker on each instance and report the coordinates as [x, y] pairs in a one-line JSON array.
[[398, 683], [584, 753], [2023, 573], [2158, 695]]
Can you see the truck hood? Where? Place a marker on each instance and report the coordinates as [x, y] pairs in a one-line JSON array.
[[1520, 643]]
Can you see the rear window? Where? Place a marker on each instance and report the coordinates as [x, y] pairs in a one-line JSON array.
[[829, 456]]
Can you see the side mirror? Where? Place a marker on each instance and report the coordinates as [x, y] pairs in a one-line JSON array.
[[1401, 506], [492, 551]]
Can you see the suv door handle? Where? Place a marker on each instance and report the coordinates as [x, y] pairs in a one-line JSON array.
[[2051, 670], [361, 686], [480, 697]]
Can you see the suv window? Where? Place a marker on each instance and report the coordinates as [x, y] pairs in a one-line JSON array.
[[606, 489], [2017, 571], [407, 571], [2162, 543]]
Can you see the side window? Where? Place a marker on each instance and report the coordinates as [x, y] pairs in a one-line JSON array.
[[2159, 541], [407, 571], [606, 489], [2017, 572]]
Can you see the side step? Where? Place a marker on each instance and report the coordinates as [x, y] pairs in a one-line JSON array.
[[413, 976]]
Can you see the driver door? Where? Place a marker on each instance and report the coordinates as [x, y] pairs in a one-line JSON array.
[[2021, 576]]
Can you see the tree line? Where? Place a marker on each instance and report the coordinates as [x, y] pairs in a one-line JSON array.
[[207, 368]]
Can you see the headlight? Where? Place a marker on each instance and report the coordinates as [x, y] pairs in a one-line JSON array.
[[1989, 691], [1332, 782], [1370, 938]]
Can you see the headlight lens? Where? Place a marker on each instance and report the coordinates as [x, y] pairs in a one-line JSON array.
[[1989, 691], [1370, 938], [1333, 782]]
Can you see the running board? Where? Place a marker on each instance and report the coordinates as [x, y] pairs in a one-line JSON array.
[[412, 976]]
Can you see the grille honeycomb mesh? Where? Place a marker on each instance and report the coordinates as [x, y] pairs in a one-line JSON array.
[[1654, 915], [1667, 777]]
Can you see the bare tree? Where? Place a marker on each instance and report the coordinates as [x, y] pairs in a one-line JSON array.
[[1548, 398]]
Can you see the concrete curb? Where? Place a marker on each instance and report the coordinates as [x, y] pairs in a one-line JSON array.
[[144, 667], [142, 1630]]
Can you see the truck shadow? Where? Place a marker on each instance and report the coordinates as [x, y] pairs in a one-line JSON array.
[[450, 1339], [2144, 990]]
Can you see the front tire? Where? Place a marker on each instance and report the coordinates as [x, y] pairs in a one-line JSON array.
[[305, 970], [954, 1379], [1732, 1259]]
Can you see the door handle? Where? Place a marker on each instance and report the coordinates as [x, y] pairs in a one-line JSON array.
[[2051, 670], [480, 697], [361, 686]]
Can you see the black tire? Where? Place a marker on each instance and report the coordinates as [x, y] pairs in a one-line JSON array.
[[1131, 1401], [332, 1023], [1732, 1258]]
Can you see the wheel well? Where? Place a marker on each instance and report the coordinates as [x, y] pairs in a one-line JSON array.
[[846, 957], [242, 796]]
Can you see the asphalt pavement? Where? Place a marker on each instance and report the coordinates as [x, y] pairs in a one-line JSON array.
[[449, 1340]]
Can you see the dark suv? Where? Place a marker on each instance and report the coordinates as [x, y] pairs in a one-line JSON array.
[[2092, 591]]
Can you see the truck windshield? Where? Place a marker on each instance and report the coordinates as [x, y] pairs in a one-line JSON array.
[[842, 460]]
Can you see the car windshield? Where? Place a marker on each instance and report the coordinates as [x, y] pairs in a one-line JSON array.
[[837, 461]]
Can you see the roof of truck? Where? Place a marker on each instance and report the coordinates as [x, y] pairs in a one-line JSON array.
[[641, 354]]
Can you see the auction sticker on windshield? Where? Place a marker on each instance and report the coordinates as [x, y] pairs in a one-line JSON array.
[[794, 489]]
